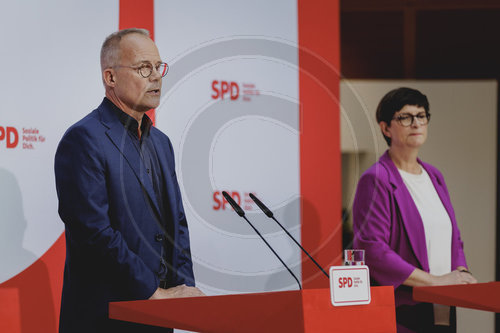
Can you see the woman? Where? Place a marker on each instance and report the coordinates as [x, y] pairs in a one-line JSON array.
[[403, 217]]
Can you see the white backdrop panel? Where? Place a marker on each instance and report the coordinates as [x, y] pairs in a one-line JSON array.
[[247, 143], [51, 78]]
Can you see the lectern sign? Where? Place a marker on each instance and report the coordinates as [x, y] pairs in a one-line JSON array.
[[350, 285]]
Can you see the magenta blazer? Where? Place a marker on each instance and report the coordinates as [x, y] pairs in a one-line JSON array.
[[388, 227]]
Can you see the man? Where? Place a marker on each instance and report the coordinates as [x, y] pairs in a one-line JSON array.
[[126, 232]]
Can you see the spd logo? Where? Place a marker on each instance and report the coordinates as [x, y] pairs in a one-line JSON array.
[[231, 90], [224, 89], [345, 282], [10, 136], [242, 199]]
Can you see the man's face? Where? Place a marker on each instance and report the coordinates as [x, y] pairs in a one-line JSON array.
[[134, 91]]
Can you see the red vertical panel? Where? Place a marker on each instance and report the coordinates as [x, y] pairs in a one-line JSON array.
[[138, 14], [320, 164]]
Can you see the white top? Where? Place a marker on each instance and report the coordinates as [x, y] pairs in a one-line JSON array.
[[437, 228]]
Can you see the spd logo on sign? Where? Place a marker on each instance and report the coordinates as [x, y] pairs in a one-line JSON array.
[[345, 282], [350, 285]]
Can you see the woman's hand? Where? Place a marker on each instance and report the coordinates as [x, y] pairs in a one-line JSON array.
[[455, 277], [419, 278]]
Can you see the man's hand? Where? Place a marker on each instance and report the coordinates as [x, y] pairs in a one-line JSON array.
[[177, 292]]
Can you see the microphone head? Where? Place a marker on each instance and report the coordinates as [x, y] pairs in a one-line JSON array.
[[263, 207], [233, 204]]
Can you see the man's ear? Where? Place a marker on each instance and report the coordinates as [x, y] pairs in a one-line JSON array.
[[108, 76], [385, 129]]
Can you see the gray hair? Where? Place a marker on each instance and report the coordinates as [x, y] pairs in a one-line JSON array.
[[110, 50]]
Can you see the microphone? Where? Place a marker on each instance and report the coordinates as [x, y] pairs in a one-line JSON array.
[[270, 214], [241, 213]]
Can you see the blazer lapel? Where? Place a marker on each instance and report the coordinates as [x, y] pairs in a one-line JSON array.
[[410, 216], [171, 196], [118, 135]]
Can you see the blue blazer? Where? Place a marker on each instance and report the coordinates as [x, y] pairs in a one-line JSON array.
[[111, 216]]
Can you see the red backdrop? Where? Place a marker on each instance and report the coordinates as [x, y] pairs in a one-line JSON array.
[[30, 301], [320, 174]]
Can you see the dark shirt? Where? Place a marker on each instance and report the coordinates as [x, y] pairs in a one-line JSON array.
[[151, 165]]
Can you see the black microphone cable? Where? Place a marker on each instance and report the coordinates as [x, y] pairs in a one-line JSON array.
[[270, 214], [241, 213]]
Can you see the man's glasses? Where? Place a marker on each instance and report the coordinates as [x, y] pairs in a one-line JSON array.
[[147, 69], [406, 119]]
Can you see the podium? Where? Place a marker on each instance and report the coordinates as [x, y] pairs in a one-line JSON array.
[[295, 311], [480, 296]]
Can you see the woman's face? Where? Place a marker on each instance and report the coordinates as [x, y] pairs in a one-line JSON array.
[[412, 136]]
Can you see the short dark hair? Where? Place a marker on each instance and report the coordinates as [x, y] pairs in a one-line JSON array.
[[395, 100]]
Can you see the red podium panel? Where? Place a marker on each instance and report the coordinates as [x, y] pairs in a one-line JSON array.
[[287, 311], [480, 296]]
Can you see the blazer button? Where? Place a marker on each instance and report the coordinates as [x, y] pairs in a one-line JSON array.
[[159, 237]]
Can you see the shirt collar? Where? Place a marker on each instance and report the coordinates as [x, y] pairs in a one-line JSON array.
[[130, 123]]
